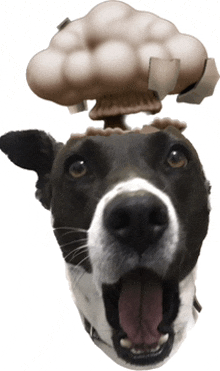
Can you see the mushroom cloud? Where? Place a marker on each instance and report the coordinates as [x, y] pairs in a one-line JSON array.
[[127, 60]]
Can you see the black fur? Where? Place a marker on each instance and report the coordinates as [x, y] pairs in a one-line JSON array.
[[33, 150]]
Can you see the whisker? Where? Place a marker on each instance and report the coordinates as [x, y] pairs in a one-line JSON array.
[[72, 242], [78, 253], [78, 279], [78, 265], [80, 248], [83, 260], [73, 229], [69, 232]]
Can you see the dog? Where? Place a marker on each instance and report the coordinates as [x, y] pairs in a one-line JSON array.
[[130, 211]]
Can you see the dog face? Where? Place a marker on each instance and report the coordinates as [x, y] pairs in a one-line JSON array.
[[130, 213]]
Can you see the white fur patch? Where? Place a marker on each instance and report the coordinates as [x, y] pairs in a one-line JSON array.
[[107, 263], [89, 301]]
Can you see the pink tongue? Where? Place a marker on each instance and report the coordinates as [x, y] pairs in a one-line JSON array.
[[140, 308]]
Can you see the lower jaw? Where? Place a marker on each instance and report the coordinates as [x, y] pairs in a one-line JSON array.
[[143, 355]]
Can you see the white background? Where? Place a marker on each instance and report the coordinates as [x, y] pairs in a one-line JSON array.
[[40, 328]]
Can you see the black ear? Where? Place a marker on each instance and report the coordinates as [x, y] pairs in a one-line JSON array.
[[33, 150]]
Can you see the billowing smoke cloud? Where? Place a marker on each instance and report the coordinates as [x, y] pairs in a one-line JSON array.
[[127, 60]]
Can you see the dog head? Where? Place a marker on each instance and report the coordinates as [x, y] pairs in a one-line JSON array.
[[130, 212]]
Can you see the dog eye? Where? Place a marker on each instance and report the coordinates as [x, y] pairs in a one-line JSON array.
[[177, 159], [78, 169]]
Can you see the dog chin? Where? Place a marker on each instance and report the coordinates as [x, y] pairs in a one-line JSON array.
[[102, 314]]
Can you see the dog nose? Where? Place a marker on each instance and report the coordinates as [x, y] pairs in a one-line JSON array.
[[137, 221]]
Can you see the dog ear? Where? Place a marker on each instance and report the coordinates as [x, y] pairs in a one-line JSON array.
[[33, 150]]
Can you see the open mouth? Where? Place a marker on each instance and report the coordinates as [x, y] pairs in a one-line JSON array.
[[141, 309]]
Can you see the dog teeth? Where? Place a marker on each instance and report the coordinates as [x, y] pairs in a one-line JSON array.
[[137, 351], [163, 339], [125, 343], [145, 350], [152, 350]]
